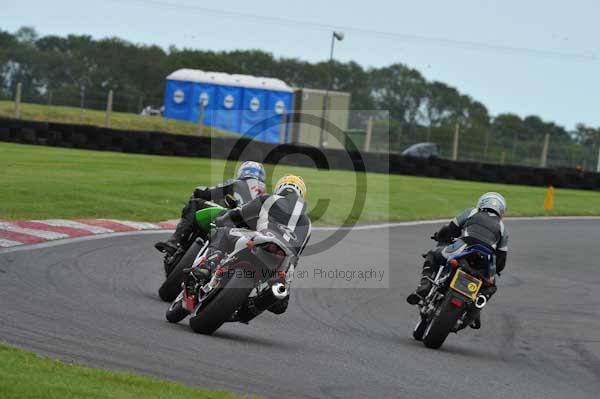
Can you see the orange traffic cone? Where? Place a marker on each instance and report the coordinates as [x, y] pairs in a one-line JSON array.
[[549, 201]]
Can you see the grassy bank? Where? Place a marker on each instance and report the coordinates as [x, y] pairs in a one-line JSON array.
[[46, 182], [119, 120], [26, 375]]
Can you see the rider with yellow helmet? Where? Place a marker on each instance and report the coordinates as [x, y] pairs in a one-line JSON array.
[[282, 213]]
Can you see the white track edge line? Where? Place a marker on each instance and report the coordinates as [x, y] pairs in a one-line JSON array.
[[440, 221], [53, 243]]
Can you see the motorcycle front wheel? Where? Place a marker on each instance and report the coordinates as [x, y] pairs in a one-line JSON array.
[[169, 290], [176, 312], [419, 329]]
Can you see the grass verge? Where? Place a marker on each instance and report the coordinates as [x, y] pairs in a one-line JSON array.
[[26, 375], [119, 120], [46, 182]]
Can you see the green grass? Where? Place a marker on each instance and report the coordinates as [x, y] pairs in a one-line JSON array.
[[46, 182], [119, 120], [26, 375]]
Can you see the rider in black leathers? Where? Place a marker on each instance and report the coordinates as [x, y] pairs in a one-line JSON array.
[[480, 225], [230, 194], [283, 214]]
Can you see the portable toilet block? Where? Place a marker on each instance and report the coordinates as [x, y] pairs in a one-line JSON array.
[[243, 104]]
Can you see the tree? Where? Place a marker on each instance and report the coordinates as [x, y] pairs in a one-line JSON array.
[[400, 90], [26, 35], [66, 67], [587, 135], [436, 103]]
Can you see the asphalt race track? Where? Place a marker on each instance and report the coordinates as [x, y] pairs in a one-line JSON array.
[[95, 302]]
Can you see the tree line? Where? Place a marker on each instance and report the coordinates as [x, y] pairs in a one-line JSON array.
[[78, 66]]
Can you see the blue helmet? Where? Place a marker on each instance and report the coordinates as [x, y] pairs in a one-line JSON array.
[[252, 170]]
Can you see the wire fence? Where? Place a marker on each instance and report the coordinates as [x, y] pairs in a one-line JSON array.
[[123, 111], [480, 144], [464, 143]]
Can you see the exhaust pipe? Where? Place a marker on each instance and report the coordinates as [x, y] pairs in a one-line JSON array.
[[480, 301], [279, 290]]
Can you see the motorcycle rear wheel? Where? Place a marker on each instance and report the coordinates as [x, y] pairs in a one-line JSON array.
[[437, 331], [210, 317]]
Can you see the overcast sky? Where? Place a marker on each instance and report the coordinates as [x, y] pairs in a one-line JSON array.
[[527, 57]]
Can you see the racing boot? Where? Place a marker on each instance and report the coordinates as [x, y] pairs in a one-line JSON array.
[[488, 291], [199, 275], [182, 231], [424, 287], [280, 306]]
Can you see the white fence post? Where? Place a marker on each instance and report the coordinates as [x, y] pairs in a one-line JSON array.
[[455, 144], [544, 159], [369, 134], [109, 106], [18, 101], [598, 167]]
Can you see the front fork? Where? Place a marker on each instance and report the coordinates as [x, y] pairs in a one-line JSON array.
[[191, 293]]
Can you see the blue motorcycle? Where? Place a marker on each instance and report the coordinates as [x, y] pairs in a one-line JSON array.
[[459, 291]]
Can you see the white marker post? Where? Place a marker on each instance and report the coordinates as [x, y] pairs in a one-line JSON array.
[[369, 134], [544, 159], [455, 144], [18, 101], [109, 106]]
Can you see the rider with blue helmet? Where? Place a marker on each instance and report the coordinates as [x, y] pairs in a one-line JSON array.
[[248, 184]]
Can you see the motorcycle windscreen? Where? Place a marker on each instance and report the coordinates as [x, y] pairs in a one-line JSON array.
[[206, 93], [178, 100], [228, 108], [253, 115]]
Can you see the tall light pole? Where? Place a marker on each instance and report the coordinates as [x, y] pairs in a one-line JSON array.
[[335, 35]]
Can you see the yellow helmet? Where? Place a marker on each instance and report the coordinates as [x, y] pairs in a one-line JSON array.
[[292, 182]]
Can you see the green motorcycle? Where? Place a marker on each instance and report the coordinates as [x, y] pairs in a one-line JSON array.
[[191, 250]]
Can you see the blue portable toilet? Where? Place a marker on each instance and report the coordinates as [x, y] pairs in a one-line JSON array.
[[240, 104], [254, 104]]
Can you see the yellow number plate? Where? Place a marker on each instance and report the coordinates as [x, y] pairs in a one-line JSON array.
[[466, 284]]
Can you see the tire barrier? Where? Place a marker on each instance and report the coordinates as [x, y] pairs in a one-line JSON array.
[[160, 143]]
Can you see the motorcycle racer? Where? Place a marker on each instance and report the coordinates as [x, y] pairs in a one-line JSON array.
[[480, 225], [249, 184], [283, 214]]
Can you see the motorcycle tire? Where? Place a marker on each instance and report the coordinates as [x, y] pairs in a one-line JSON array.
[[437, 331], [211, 316], [176, 312], [420, 329], [171, 287]]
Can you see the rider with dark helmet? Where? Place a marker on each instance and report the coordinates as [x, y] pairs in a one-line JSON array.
[[249, 184], [480, 225]]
